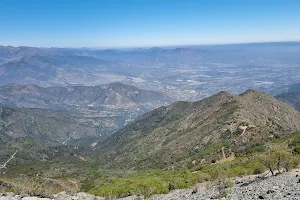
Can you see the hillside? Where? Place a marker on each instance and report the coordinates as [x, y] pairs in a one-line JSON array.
[[43, 125], [186, 137], [184, 132], [108, 106], [291, 98], [33, 131], [115, 95]]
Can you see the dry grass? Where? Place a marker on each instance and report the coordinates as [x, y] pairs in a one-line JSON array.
[[41, 186]]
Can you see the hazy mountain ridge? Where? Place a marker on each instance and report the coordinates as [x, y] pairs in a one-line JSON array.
[[115, 95], [43, 66], [185, 73], [291, 98], [154, 55], [286, 89], [108, 107], [172, 134]]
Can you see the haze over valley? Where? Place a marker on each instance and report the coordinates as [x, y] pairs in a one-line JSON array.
[[183, 73]]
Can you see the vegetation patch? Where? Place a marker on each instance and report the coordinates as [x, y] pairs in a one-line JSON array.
[[55, 176], [148, 182]]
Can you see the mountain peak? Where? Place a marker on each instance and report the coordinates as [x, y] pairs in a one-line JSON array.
[[223, 93], [177, 130], [117, 84], [252, 92]]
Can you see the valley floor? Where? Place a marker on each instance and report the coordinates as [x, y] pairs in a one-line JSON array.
[[282, 186]]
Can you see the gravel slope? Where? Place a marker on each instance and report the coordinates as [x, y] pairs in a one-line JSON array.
[[282, 186]]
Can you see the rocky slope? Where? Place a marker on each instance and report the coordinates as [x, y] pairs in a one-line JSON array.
[[180, 133], [291, 98], [283, 186]]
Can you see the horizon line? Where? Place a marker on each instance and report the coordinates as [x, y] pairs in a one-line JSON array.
[[156, 46]]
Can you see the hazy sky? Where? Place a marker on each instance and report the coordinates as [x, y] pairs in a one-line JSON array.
[[132, 23]]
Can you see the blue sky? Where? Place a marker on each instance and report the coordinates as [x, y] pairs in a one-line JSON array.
[[143, 23]]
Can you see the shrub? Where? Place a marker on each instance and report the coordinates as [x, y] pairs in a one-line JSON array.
[[296, 149], [86, 185], [203, 177], [258, 170], [237, 171], [229, 184], [146, 182], [256, 148]]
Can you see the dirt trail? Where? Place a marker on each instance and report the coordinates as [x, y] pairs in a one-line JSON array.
[[75, 183], [229, 158], [243, 128], [12, 157]]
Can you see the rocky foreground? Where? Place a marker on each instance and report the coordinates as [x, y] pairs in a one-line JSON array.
[[282, 186]]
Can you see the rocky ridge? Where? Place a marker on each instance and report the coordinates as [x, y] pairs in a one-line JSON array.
[[171, 134]]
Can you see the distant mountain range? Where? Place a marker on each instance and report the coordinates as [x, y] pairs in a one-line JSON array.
[[286, 89], [107, 106], [183, 73], [291, 98], [114, 95], [61, 67], [182, 132], [41, 66]]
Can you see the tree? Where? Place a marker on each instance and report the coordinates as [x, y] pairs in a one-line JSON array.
[[278, 157], [221, 176], [269, 161]]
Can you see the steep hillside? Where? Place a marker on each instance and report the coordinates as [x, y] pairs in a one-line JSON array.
[[42, 125], [40, 134], [291, 98], [185, 132]]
